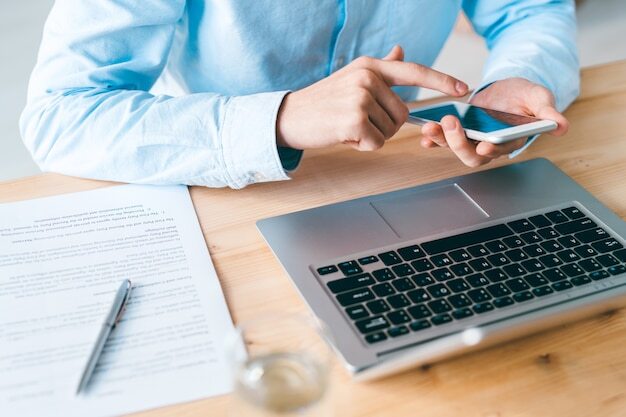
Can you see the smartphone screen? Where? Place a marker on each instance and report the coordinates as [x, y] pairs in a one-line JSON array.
[[475, 118]]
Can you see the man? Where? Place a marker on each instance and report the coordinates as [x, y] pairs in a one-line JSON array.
[[228, 93]]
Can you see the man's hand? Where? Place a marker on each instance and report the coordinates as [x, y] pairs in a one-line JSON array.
[[513, 95], [356, 105]]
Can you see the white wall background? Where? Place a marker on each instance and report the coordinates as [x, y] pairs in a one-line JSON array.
[[601, 39]]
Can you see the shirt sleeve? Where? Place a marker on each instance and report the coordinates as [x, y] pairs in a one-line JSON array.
[[531, 39], [90, 114]]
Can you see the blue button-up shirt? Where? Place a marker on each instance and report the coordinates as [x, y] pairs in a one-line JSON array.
[[174, 91]]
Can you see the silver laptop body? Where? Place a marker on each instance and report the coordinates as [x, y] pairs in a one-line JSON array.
[[320, 249]]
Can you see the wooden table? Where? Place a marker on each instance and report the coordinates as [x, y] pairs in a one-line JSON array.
[[573, 370]]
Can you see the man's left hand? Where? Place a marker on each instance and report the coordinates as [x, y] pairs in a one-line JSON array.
[[512, 95]]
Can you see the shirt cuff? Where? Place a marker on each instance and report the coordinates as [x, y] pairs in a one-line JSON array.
[[249, 139]]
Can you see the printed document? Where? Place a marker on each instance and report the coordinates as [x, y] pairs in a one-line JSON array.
[[61, 260]]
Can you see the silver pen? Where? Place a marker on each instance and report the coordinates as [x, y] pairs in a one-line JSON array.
[[112, 318]]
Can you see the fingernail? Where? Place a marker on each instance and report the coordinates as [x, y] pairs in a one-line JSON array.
[[448, 124], [461, 87]]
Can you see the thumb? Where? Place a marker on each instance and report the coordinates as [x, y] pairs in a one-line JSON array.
[[396, 54]]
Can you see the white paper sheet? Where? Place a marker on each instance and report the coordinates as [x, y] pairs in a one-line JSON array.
[[62, 259]]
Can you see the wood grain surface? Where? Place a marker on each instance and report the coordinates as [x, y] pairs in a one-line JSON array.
[[574, 370]]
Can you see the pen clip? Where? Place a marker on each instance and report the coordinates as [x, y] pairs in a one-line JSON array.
[[122, 309]]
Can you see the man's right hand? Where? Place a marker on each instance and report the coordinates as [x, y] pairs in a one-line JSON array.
[[356, 105]]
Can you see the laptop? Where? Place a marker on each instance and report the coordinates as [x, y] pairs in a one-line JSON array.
[[413, 276]]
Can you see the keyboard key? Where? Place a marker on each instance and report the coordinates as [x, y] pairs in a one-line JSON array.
[[398, 317], [357, 312], [478, 250], [419, 312], [478, 295], [568, 255], [495, 246], [620, 254], [372, 324], [554, 275], [461, 269], [398, 301], [383, 290], [442, 274], [482, 308], [573, 213], [458, 285], [460, 255], [535, 280], [513, 270], [477, 280], [531, 237], [325, 270], [532, 265], [542, 291], [450, 243], [498, 290], [590, 265], [441, 319], [438, 290], [557, 217], [495, 275], [503, 302], [416, 326], [598, 275], [540, 220], [591, 235], [422, 265], [398, 331], [607, 245], [350, 268], [513, 242], [441, 260], [574, 226], [418, 296], [517, 284], [585, 251], [383, 274], [355, 297], [520, 297], [607, 260], [439, 306], [498, 260], [368, 260], [462, 313], [551, 246], [375, 337], [516, 255], [402, 270], [350, 283], [582, 280], [480, 264], [390, 258], [550, 260], [522, 225], [422, 280], [548, 233], [534, 251], [403, 284], [459, 300], [378, 306], [562, 286], [568, 241], [572, 270], [411, 252], [617, 269]]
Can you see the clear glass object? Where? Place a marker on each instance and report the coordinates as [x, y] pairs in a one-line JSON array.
[[281, 368]]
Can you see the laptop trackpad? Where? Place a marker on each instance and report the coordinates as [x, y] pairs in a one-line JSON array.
[[414, 214]]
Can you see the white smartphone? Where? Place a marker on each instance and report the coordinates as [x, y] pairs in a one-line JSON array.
[[483, 124]]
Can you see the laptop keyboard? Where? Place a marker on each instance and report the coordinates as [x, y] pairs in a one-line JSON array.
[[435, 283]]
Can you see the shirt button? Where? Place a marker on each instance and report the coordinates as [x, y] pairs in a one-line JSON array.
[[258, 176], [340, 61]]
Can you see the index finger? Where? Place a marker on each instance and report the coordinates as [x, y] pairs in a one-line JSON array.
[[412, 74]]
